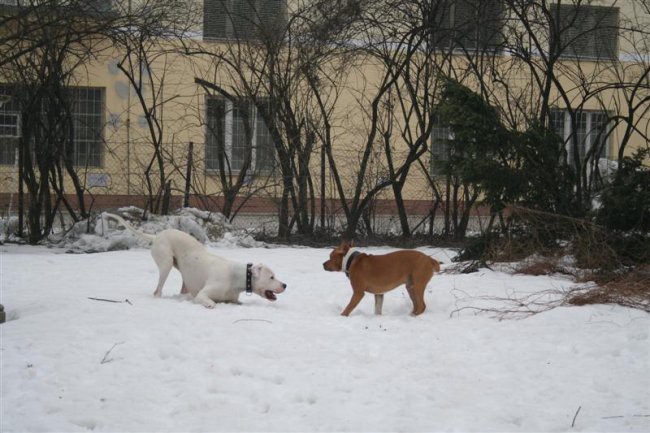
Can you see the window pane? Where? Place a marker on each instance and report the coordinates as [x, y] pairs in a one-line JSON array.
[[606, 34], [215, 132], [8, 147], [264, 148], [468, 24], [440, 23], [556, 120], [598, 133], [242, 19], [87, 105], [9, 125], [580, 135], [440, 138], [242, 134], [465, 23], [585, 30], [215, 14]]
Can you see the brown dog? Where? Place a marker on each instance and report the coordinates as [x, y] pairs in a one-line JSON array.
[[380, 274]]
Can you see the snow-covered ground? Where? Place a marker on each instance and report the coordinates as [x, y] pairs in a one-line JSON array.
[[70, 363]]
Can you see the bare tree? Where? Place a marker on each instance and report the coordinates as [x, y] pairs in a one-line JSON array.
[[578, 59], [41, 70], [289, 71], [146, 57]]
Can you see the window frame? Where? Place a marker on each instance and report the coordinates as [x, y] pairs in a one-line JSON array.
[[100, 117], [453, 38], [589, 31], [77, 115], [228, 127], [233, 19], [9, 142], [438, 131], [586, 135]]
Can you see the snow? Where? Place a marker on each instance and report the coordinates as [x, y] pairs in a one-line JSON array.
[[70, 363], [108, 235]]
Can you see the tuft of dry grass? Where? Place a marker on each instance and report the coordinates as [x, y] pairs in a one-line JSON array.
[[544, 266], [630, 289]]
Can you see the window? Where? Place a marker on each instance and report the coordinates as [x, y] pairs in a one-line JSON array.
[[243, 19], [87, 111], [9, 126], [440, 142], [235, 132], [585, 30], [468, 24], [591, 131], [87, 106], [95, 6]]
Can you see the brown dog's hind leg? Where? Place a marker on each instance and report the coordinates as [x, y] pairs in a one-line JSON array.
[[416, 292], [379, 302]]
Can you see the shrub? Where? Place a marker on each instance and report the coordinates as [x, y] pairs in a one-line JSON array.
[[626, 201]]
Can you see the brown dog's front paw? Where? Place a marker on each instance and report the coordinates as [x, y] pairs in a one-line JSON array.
[[344, 314]]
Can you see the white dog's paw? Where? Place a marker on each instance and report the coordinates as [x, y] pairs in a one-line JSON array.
[[205, 301]]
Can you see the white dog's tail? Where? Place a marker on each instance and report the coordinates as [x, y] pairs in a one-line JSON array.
[[144, 236]]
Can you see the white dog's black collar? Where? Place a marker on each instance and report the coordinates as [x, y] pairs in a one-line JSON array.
[[249, 278]]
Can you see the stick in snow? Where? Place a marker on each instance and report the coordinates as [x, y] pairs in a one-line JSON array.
[[111, 300], [106, 359], [252, 320], [573, 423]]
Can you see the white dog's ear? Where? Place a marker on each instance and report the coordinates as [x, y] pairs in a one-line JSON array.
[[256, 270]]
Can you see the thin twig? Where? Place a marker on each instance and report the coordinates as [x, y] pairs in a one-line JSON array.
[[111, 300], [106, 359], [252, 320], [573, 423]]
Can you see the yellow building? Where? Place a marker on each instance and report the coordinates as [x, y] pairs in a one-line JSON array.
[[127, 131]]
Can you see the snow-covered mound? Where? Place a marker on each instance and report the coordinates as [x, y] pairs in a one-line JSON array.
[[105, 234], [8, 226]]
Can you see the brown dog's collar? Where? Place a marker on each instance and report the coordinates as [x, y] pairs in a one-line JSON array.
[[349, 263]]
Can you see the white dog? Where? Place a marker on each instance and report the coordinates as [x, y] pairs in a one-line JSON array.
[[207, 277]]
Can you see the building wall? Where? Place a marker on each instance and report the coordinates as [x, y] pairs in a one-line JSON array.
[[128, 149]]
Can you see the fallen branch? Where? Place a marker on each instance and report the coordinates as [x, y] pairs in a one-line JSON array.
[[513, 305], [573, 423], [106, 359], [252, 320], [111, 300]]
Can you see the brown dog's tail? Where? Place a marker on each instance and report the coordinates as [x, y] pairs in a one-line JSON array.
[[436, 264]]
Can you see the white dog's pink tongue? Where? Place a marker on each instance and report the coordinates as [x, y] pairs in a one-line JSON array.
[[270, 295]]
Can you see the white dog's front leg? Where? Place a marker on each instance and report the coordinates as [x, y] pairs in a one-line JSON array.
[[203, 299]]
